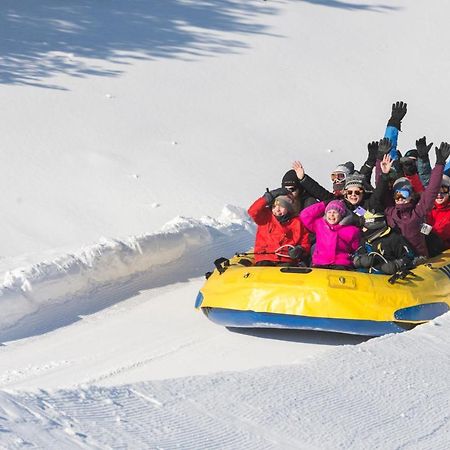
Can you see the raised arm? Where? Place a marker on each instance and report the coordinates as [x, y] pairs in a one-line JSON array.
[[423, 161], [311, 186], [310, 214], [378, 198], [398, 112], [428, 196], [369, 164]]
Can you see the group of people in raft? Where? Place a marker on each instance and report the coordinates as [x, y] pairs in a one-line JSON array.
[[393, 227]]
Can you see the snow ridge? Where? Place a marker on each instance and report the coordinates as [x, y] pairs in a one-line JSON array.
[[114, 261]]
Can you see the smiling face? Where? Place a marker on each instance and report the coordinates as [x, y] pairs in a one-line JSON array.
[[354, 196], [443, 195], [332, 217]]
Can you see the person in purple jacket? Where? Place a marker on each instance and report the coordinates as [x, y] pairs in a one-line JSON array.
[[335, 242], [408, 214]]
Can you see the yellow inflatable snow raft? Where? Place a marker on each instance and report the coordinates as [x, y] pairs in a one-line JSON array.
[[236, 295]]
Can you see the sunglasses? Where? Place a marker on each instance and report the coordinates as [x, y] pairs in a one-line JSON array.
[[444, 190], [355, 192], [291, 188], [338, 176], [402, 194]]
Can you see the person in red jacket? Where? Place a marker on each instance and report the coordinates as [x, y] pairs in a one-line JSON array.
[[439, 217], [281, 239]]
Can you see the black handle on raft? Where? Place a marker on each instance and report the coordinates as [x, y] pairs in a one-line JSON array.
[[400, 276], [222, 264]]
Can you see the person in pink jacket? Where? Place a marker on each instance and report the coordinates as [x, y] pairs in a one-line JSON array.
[[335, 241]]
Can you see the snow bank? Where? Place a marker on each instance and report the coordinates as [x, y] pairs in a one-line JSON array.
[[113, 261]]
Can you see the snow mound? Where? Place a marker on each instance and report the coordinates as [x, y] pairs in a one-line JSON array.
[[113, 261]]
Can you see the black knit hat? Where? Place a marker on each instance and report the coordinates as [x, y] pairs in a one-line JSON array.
[[290, 179]]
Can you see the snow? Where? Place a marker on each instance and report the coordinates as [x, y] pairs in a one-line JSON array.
[[133, 137]]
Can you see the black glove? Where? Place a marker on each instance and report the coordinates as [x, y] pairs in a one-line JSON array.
[[270, 196], [372, 150], [442, 153], [409, 166], [363, 261], [422, 148], [394, 266], [384, 147], [296, 252], [349, 219], [398, 112]]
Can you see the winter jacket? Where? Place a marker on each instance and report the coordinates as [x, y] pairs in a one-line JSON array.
[[391, 133], [424, 170], [372, 201], [271, 234], [409, 217], [439, 219], [335, 244], [387, 243]]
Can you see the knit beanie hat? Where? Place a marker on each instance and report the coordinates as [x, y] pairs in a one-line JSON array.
[[403, 183], [290, 179], [445, 181], [356, 180], [346, 168], [338, 206], [284, 201]]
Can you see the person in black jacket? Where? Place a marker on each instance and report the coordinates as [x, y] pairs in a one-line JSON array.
[[384, 250], [300, 197]]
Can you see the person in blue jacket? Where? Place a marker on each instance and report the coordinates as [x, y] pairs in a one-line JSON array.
[[398, 112]]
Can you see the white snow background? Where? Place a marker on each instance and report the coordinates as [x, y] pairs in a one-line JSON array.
[[133, 136]]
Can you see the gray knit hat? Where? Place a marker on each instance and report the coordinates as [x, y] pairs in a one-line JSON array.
[[285, 201], [356, 180]]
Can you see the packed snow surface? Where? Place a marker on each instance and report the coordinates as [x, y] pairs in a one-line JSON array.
[[125, 128]]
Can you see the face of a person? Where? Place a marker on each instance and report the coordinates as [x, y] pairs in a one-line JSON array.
[[293, 191], [278, 210], [354, 196], [402, 197], [332, 217], [443, 195], [338, 177]]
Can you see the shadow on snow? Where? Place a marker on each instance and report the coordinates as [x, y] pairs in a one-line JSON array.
[[352, 6], [45, 38]]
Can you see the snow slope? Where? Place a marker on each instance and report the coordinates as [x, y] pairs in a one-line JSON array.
[[125, 129]]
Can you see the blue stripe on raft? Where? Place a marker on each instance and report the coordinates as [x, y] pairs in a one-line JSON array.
[[427, 311], [199, 300], [252, 319]]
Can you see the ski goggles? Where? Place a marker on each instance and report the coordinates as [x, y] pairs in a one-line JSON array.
[[402, 194], [353, 192], [338, 176], [443, 191]]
